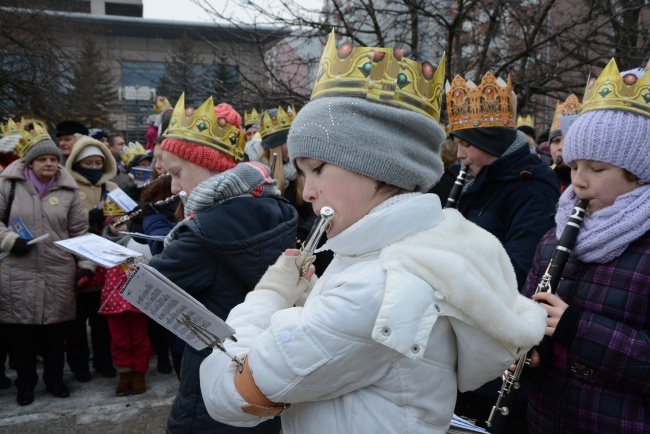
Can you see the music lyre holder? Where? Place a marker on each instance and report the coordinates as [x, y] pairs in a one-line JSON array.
[[209, 338]]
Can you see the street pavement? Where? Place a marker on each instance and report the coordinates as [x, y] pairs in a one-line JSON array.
[[92, 407]]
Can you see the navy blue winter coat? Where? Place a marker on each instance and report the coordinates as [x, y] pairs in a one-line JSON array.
[[220, 255], [515, 199]]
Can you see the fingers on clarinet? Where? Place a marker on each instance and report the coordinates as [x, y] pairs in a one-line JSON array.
[[292, 252]]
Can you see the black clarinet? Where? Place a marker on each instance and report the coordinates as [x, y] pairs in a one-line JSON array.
[[548, 283], [457, 189]]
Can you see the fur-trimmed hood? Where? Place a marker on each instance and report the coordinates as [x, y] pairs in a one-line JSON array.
[[110, 166]]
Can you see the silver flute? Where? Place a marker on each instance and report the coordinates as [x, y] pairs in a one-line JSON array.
[[320, 226], [153, 181], [139, 211]]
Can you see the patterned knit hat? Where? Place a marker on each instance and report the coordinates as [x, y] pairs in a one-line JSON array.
[[612, 136]]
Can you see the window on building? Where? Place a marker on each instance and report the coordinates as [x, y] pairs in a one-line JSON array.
[[123, 10]]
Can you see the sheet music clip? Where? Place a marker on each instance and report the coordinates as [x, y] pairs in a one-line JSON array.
[[209, 338]]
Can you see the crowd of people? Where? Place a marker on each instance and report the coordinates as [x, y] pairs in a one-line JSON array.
[[412, 310]]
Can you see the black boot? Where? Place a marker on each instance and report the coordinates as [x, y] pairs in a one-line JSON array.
[[25, 397]]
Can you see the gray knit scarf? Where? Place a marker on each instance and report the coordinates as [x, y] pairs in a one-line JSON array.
[[249, 178]]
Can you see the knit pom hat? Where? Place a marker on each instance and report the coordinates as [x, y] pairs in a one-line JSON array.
[[612, 136], [224, 110], [200, 155], [389, 144], [43, 147]]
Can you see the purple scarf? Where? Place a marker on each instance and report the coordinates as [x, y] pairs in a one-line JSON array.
[[41, 188], [605, 234]]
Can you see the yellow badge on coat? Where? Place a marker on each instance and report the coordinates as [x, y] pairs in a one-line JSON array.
[[54, 201], [82, 195]]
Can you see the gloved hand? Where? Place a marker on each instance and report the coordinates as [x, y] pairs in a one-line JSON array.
[[96, 217], [82, 277], [20, 247], [283, 277]]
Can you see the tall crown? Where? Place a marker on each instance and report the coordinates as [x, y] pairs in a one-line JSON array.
[[28, 140], [380, 74], [279, 122], [525, 121], [202, 126], [569, 107], [490, 104], [128, 153], [252, 118], [161, 104], [112, 209], [10, 128], [610, 91]]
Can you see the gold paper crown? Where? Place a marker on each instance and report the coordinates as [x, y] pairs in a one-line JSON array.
[[10, 128], [610, 91], [252, 118], [380, 74], [279, 122], [161, 104], [27, 140], [525, 122], [112, 209], [569, 107], [490, 104], [128, 153], [203, 127]]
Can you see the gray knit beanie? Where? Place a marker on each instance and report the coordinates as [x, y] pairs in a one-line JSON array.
[[44, 147], [613, 136], [389, 144]]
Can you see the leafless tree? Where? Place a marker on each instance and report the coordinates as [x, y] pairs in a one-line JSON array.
[[547, 47]]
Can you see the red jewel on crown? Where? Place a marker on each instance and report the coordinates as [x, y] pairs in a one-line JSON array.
[[629, 79]]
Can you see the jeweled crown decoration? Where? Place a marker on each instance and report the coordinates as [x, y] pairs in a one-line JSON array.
[[380, 74], [112, 209], [251, 118], [610, 91], [525, 121], [128, 153], [569, 107], [29, 139], [161, 104], [275, 123], [490, 104], [10, 128], [203, 127]]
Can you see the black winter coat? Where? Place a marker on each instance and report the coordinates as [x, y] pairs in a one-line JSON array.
[[219, 256], [515, 199]]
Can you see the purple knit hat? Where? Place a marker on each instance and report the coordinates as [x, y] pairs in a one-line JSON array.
[[613, 136]]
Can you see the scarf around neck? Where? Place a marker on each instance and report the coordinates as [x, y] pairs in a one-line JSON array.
[[246, 178], [606, 233], [41, 187]]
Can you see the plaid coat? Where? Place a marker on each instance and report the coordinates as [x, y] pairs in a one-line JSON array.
[[595, 373]]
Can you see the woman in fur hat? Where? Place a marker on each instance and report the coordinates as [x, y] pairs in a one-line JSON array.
[[595, 358], [37, 296]]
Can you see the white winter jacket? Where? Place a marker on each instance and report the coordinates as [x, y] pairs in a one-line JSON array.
[[409, 310]]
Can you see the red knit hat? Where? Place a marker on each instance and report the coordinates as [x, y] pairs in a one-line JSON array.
[[225, 110], [200, 155], [205, 139]]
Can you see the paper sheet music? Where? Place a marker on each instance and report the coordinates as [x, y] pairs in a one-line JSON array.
[[98, 250], [166, 303]]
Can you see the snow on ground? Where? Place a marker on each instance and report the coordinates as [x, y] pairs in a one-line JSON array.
[[91, 407]]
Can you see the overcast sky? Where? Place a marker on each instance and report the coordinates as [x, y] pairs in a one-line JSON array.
[[186, 10]]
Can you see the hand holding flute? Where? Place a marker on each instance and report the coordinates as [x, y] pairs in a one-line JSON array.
[[292, 275]]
